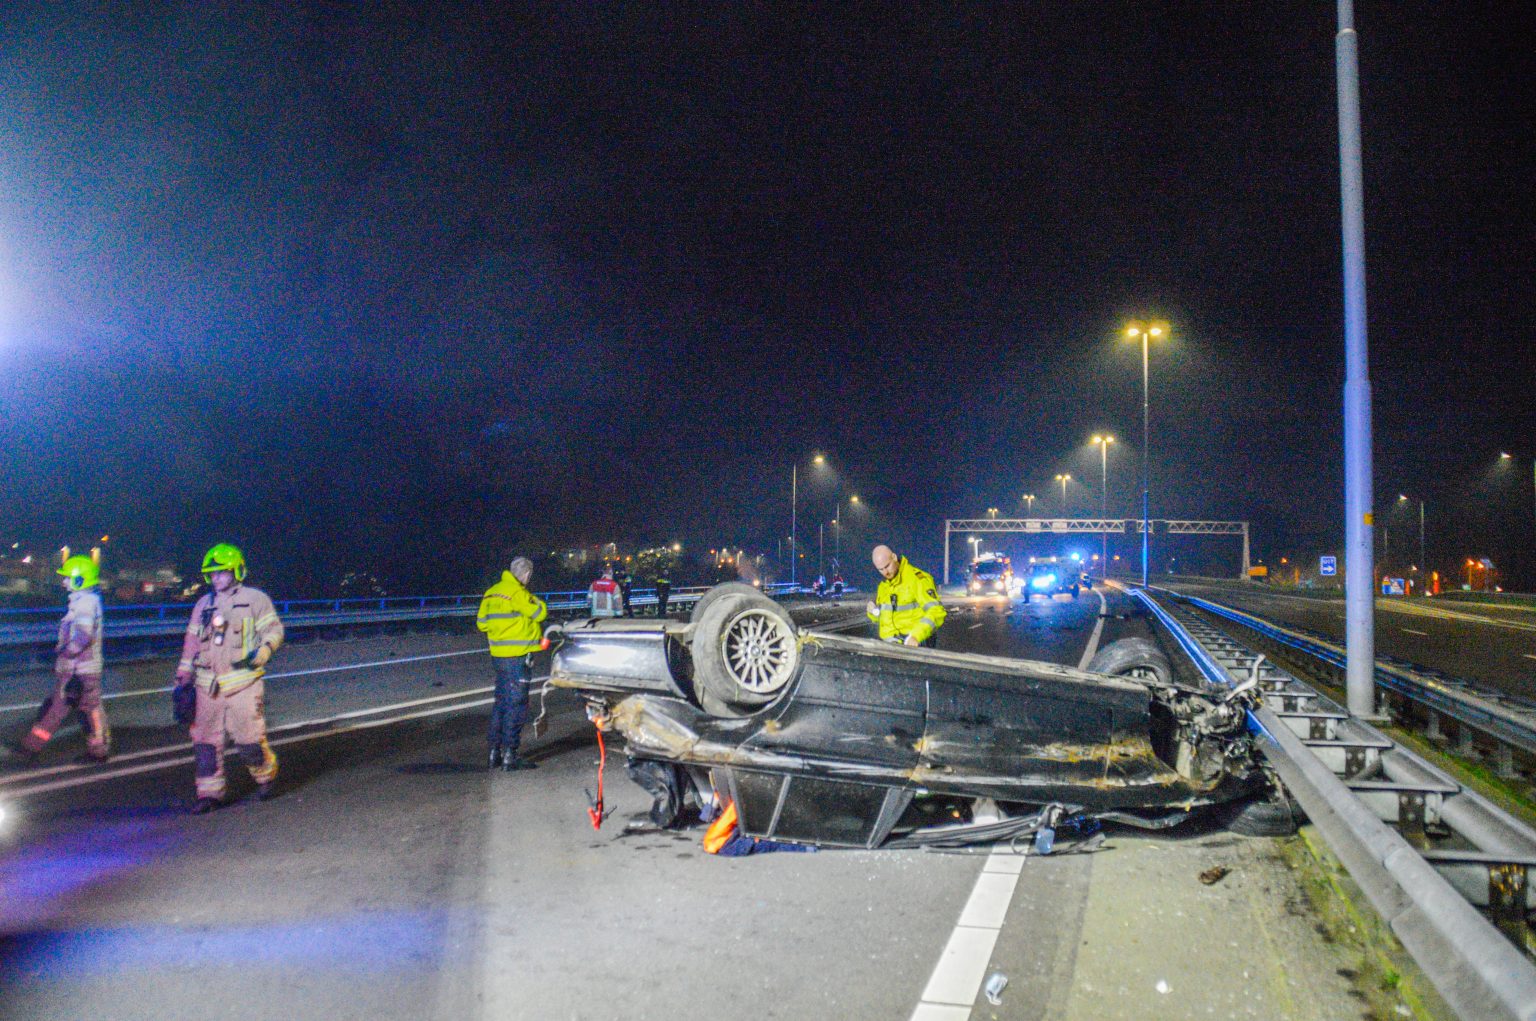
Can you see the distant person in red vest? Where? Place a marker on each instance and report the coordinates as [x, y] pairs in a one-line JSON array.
[[604, 598]]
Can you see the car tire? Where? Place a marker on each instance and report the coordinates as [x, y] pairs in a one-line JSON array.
[[1133, 657], [1265, 816], [746, 652], [727, 588]]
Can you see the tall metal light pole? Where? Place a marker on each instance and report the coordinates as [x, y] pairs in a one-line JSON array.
[[1146, 332], [1103, 442], [1063, 479], [1423, 565], [794, 502], [794, 506], [1359, 599], [1029, 503]]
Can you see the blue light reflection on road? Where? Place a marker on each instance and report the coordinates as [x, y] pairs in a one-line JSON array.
[[368, 941]]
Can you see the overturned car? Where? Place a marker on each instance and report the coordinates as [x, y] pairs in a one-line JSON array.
[[833, 740]]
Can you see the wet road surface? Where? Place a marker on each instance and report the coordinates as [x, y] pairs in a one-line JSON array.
[[395, 878]]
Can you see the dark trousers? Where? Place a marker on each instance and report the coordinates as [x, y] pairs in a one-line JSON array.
[[510, 711], [663, 593]]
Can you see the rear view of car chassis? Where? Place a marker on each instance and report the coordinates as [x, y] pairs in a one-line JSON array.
[[841, 741]]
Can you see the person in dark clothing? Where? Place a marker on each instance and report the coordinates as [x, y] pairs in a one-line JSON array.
[[626, 582], [663, 593]]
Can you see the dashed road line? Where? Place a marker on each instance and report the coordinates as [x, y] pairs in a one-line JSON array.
[[1411, 631], [962, 966], [140, 692], [97, 774]]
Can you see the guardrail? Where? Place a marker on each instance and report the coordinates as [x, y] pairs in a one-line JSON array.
[[39, 627], [1427, 852], [1507, 723]]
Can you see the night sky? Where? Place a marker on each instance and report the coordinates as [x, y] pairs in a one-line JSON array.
[[405, 288]]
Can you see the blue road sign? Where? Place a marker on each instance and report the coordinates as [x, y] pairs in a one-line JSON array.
[[1328, 566]]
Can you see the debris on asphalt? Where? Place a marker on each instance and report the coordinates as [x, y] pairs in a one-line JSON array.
[[1162, 985], [994, 987], [1214, 875]]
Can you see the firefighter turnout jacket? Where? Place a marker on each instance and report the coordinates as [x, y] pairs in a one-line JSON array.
[[225, 630], [79, 645], [510, 616], [908, 605]]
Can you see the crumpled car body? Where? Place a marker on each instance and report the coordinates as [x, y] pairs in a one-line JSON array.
[[836, 755]]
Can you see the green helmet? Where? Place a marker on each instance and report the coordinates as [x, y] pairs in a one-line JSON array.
[[81, 571], [224, 557]]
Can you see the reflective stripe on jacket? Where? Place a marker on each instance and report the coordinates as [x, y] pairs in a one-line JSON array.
[[908, 604], [226, 627], [509, 616]]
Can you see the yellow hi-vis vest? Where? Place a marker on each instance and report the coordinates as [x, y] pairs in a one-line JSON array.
[[509, 616], [908, 604]]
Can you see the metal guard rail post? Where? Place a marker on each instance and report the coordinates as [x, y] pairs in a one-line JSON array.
[[1480, 973]]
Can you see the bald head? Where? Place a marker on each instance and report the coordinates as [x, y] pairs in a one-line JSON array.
[[886, 561]]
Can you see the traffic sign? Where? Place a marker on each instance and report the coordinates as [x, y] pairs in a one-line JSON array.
[[1328, 566]]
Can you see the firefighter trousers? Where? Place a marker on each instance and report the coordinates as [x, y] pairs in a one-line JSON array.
[[239, 719], [79, 693]]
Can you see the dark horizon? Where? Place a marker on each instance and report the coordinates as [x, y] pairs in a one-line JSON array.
[[409, 292]]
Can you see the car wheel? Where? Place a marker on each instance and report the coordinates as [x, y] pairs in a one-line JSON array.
[[1270, 816], [727, 588], [746, 651], [1133, 657]]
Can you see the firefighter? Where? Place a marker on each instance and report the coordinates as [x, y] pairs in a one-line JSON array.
[[906, 606], [77, 664], [663, 591], [231, 637], [603, 596], [510, 616]]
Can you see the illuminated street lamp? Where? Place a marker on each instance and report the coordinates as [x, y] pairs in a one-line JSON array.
[[837, 529], [1403, 498], [1103, 442], [992, 513], [794, 505], [1029, 502], [1145, 332], [975, 542], [1063, 479]]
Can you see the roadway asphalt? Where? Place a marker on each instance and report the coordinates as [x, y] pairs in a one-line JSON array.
[[1492, 645], [395, 878]]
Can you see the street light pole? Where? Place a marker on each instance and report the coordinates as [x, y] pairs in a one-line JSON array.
[[1029, 503], [1103, 443], [794, 499], [1359, 599], [1146, 333], [1063, 479]]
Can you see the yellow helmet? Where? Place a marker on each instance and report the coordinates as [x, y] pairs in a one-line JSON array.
[[81, 571], [224, 557]]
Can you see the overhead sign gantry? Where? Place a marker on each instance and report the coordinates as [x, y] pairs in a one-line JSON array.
[[1092, 526]]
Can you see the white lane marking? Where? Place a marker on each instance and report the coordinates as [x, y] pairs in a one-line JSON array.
[[182, 760], [1411, 631], [1098, 629], [976, 625], [284, 728], [963, 964], [137, 692], [1527, 655]]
